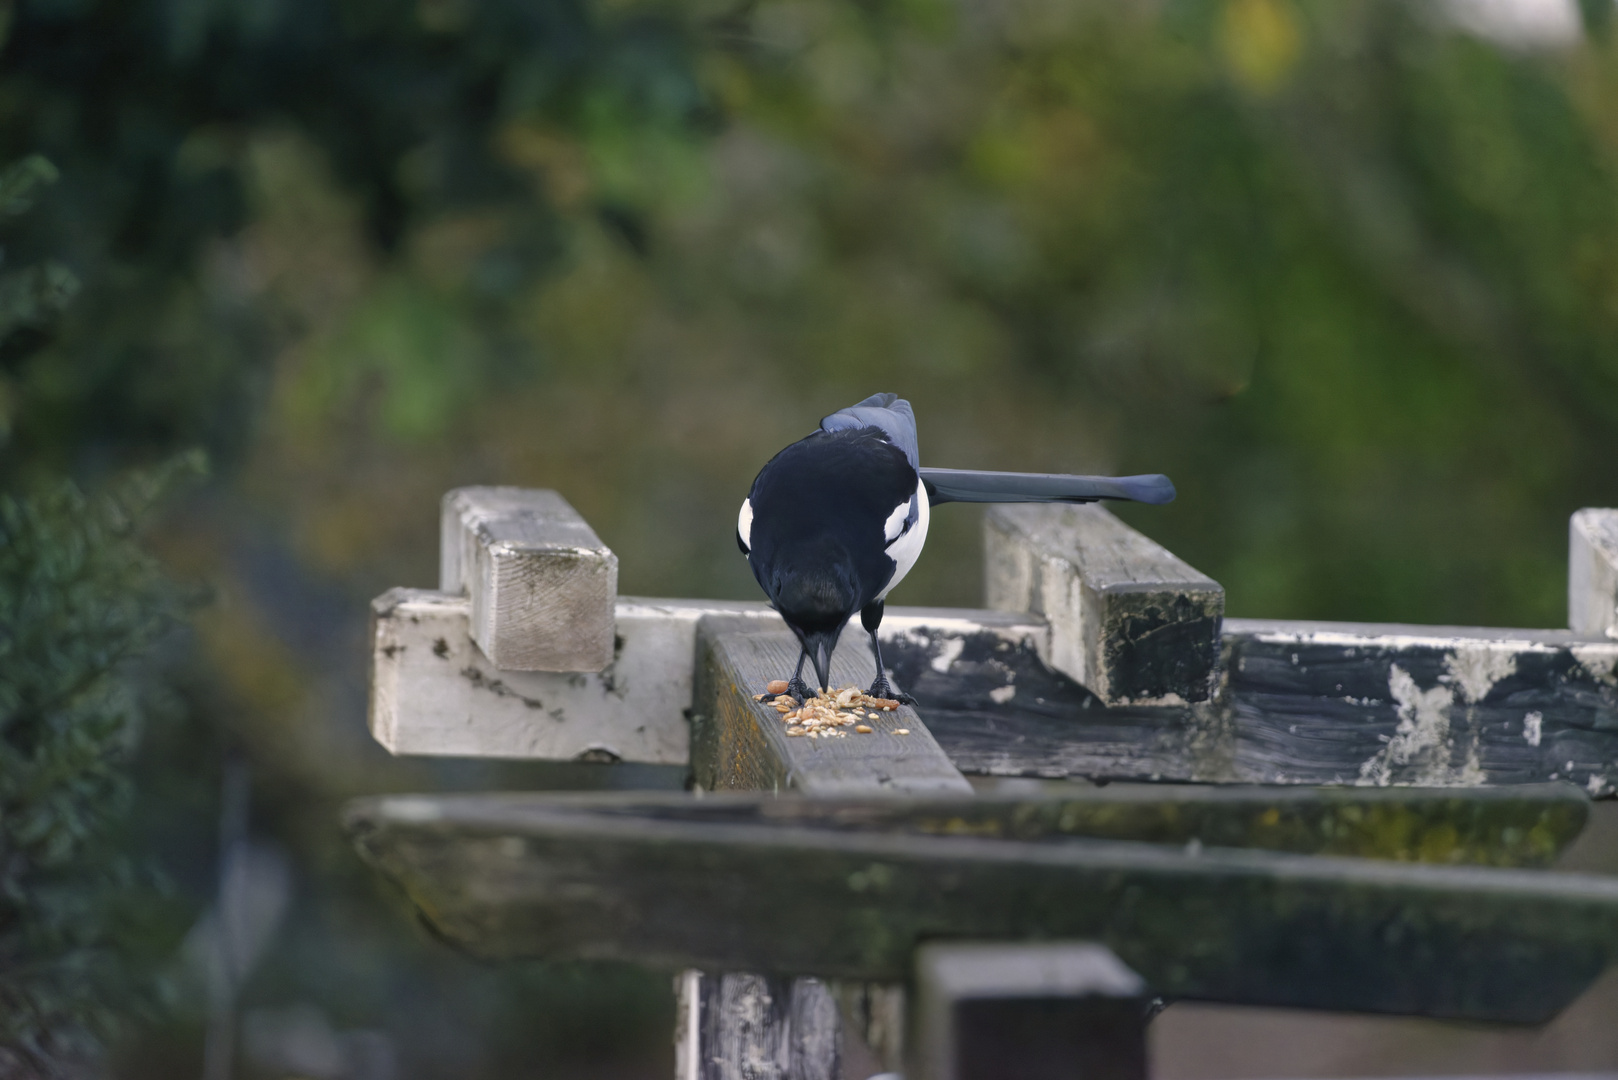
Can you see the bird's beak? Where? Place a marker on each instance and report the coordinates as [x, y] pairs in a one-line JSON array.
[[822, 661]]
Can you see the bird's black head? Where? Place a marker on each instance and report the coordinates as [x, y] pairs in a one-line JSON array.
[[813, 584]]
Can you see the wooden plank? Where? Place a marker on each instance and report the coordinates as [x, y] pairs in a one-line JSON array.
[[1427, 705], [1129, 621], [1052, 1011], [740, 744], [508, 876], [433, 692], [1298, 703], [1592, 577], [1526, 825], [541, 583]]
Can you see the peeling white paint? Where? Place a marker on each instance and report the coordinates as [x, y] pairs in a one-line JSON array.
[[948, 654], [1002, 694], [1310, 634], [1600, 661], [1533, 727], [920, 625], [1476, 670], [1597, 786], [1423, 729]]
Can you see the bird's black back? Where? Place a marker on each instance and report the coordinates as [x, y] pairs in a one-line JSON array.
[[817, 547]]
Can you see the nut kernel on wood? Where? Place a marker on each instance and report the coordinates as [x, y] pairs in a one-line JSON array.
[[863, 729], [776, 686]]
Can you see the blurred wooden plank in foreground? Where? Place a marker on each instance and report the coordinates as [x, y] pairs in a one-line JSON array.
[[534, 876]]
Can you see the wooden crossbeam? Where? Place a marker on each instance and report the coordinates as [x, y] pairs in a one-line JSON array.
[[434, 692], [1298, 703], [528, 875]]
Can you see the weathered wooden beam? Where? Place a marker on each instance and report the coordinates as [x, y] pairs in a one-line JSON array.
[[737, 1026], [541, 583], [741, 744], [1051, 1011], [1522, 826], [1298, 703], [1592, 573], [513, 876], [433, 692], [1129, 621]]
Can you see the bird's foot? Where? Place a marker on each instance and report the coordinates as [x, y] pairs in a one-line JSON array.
[[800, 690], [884, 689], [796, 689]]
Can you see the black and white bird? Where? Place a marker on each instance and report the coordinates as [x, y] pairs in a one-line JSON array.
[[837, 519]]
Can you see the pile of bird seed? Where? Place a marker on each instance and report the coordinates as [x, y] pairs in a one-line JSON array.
[[825, 715]]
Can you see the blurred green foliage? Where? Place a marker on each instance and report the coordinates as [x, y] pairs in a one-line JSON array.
[[1345, 269]]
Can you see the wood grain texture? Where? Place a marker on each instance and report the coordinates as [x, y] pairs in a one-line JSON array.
[[1592, 573], [1129, 620], [737, 1026], [740, 744], [550, 878], [541, 583], [1298, 703]]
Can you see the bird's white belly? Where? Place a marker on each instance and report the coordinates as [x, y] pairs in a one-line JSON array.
[[907, 549]]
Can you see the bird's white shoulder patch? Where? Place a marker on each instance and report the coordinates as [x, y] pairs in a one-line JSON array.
[[905, 550], [895, 523], [744, 524]]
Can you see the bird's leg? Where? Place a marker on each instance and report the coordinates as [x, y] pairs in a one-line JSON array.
[[871, 618], [796, 687]]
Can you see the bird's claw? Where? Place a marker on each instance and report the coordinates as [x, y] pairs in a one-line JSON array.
[[796, 689], [884, 689]]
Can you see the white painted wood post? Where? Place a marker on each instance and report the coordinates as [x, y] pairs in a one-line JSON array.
[[541, 583], [435, 693], [1592, 573], [1130, 621]]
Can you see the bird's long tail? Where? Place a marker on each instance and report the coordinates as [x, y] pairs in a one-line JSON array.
[[972, 485]]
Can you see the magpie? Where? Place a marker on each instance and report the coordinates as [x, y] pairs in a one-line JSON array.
[[837, 519]]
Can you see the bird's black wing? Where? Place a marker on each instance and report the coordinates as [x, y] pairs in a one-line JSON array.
[[972, 485]]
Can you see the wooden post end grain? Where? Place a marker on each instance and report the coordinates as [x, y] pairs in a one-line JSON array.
[[541, 583], [1128, 620]]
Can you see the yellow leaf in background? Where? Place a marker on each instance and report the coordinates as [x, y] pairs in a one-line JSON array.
[[1261, 40]]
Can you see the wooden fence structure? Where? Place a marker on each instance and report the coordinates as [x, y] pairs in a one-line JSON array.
[[1359, 819]]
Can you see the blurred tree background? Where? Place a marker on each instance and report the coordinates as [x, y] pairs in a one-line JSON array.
[[1347, 270]]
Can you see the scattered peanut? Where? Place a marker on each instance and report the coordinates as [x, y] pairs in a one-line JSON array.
[[901, 731], [776, 686], [825, 715]]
